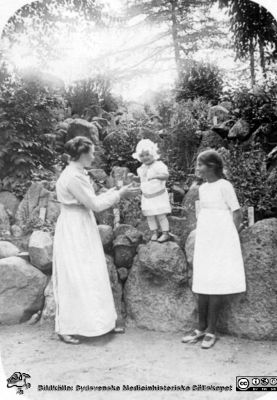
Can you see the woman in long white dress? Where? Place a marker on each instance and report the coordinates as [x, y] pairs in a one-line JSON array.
[[83, 295], [218, 268]]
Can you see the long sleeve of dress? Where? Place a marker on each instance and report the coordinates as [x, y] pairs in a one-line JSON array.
[[229, 195], [82, 190]]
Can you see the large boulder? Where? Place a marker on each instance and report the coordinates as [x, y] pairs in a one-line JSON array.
[[240, 130], [253, 314], [81, 127], [41, 250], [7, 249], [21, 290], [9, 201], [116, 288], [219, 112], [156, 292], [5, 228]]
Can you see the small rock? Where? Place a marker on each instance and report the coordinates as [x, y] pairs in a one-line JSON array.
[[240, 130], [41, 250], [123, 274], [7, 249], [9, 201], [16, 231]]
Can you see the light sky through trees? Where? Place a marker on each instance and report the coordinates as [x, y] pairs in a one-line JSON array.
[[138, 57]]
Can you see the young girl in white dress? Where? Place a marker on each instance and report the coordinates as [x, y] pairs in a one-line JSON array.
[[153, 175], [218, 268]]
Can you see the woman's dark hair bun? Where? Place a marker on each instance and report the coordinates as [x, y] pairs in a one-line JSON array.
[[77, 146]]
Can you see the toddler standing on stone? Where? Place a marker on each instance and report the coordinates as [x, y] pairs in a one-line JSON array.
[[153, 175]]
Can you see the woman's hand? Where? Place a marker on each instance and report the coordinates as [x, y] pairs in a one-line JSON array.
[[129, 191], [133, 177]]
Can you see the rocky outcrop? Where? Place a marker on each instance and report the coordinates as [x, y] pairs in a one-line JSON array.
[[39, 197], [41, 250], [21, 290], [156, 293]]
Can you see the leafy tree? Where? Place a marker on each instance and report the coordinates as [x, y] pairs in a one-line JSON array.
[[186, 22], [253, 28]]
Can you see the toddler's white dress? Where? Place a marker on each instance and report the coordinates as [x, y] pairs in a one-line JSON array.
[[218, 265], [83, 295], [155, 198]]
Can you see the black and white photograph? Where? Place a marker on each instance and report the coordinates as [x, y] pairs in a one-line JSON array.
[[138, 199]]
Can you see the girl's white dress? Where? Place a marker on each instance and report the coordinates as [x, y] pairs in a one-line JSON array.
[[155, 198], [83, 295], [218, 265]]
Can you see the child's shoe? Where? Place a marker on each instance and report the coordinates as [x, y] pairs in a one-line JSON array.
[[154, 236], [193, 337], [208, 341], [164, 238]]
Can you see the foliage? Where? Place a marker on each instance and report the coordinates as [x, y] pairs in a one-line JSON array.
[[26, 116], [91, 92], [252, 26], [179, 18], [35, 223], [40, 24], [182, 145], [247, 171], [201, 80], [130, 211], [120, 145], [256, 106]]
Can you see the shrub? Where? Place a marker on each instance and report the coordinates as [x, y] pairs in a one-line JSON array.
[[247, 171], [91, 92], [26, 115], [201, 80]]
